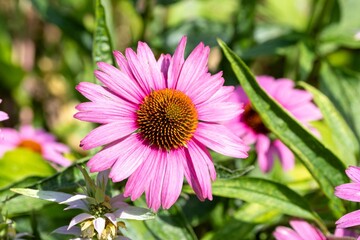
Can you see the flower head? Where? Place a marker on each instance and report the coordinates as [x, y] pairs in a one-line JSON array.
[[36, 140], [103, 214], [157, 119], [350, 191], [302, 230], [253, 131]]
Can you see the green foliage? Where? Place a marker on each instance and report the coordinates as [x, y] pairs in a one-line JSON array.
[[325, 167], [18, 164]]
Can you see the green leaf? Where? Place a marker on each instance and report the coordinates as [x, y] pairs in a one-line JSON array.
[[343, 137], [323, 165], [343, 89], [273, 195], [226, 173], [21, 163], [102, 48], [169, 224], [51, 196]]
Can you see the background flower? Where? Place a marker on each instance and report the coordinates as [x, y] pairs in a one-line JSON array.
[[157, 118], [302, 230], [350, 191], [36, 140], [252, 130]]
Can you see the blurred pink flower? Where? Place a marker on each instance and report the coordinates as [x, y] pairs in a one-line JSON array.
[[251, 129], [302, 230], [3, 115], [351, 192], [37, 140], [158, 118]]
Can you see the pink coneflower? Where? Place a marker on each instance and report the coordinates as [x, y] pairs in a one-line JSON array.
[[36, 140], [302, 230], [157, 119], [351, 192], [252, 130]]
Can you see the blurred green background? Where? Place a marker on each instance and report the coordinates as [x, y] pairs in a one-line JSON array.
[[46, 49]]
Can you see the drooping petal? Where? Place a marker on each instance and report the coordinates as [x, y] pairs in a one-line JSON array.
[[225, 143], [286, 157], [173, 179], [200, 177], [130, 159], [139, 180], [153, 192], [262, 146], [107, 157], [348, 191]]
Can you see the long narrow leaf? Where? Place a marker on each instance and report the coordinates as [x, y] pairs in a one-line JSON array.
[[265, 192], [324, 166], [341, 132], [102, 48]]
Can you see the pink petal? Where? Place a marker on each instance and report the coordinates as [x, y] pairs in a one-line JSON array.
[[353, 173], [176, 64], [193, 68], [79, 218], [173, 179], [139, 73], [150, 67], [306, 112], [265, 159], [3, 116], [225, 143], [108, 133], [219, 112], [286, 157], [153, 192], [139, 180], [96, 93], [198, 174], [348, 191], [349, 220], [223, 94], [307, 230], [285, 233], [106, 158], [124, 66], [163, 64], [206, 88], [56, 157], [130, 159], [119, 83]]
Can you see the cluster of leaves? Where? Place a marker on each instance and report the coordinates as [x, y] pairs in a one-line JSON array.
[[313, 43]]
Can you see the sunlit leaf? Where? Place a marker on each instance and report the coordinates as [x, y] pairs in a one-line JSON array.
[[20, 163], [324, 166]]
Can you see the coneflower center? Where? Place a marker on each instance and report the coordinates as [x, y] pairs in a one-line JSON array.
[[167, 118], [253, 120], [30, 144]]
